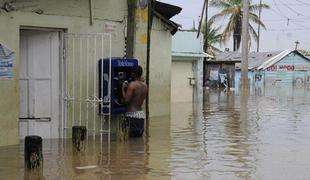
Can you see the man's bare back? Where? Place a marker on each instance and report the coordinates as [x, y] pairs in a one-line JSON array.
[[135, 94], [135, 91]]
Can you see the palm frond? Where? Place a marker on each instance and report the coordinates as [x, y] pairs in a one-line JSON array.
[[213, 36], [252, 32], [222, 4], [254, 18], [224, 13], [232, 9], [256, 7]]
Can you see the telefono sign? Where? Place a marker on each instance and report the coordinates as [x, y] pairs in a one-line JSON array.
[[124, 63]]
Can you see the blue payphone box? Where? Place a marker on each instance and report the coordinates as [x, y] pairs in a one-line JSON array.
[[121, 71]]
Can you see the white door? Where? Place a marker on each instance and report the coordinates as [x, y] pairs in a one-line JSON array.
[[39, 84], [181, 89]]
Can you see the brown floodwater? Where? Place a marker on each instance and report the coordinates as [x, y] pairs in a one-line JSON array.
[[264, 134]]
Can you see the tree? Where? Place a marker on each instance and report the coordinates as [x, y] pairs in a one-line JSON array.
[[213, 37], [233, 10]]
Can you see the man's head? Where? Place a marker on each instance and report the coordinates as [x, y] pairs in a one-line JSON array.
[[137, 71]]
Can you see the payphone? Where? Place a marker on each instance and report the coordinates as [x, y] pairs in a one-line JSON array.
[[121, 71]]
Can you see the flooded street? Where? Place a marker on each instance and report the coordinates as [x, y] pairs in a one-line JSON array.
[[264, 135]]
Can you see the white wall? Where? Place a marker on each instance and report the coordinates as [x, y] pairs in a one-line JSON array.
[[181, 90], [160, 69]]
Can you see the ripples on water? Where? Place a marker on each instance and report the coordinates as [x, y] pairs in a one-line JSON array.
[[230, 136], [264, 136]]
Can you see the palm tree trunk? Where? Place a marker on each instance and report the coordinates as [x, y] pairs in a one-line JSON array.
[[237, 34], [235, 43], [237, 40]]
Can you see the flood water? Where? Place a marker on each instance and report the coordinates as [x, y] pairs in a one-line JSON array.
[[261, 135]]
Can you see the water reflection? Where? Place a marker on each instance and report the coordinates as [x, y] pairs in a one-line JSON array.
[[260, 135]]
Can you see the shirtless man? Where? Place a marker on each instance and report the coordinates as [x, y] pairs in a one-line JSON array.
[[134, 94]]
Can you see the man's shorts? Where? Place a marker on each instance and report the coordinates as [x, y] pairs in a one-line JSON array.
[[136, 123]]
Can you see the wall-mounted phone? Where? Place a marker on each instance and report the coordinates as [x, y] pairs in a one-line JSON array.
[[121, 71]]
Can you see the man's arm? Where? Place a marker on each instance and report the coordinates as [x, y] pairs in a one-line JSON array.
[[127, 93]]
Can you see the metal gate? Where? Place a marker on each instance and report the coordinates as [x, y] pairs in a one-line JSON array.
[[80, 81]]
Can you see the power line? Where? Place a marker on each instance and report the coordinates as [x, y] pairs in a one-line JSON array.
[[301, 25], [295, 29], [284, 19], [303, 3], [290, 19], [277, 6], [289, 4], [291, 9], [280, 13]]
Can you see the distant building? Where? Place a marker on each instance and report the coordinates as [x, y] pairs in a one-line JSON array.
[[220, 72], [286, 67], [187, 67], [289, 66], [255, 59]]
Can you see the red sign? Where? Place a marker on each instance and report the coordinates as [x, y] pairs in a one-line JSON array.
[[281, 68]]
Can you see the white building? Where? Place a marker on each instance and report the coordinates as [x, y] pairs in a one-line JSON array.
[[187, 67]]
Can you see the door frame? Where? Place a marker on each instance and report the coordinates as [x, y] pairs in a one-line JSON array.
[[62, 72]]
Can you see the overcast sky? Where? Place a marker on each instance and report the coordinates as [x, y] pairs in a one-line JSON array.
[[287, 21]]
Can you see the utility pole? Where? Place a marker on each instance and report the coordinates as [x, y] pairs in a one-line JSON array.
[[131, 24], [206, 29], [297, 43], [201, 18], [258, 30], [245, 44]]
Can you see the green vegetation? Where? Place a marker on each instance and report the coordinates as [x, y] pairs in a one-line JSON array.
[[213, 37], [233, 10]]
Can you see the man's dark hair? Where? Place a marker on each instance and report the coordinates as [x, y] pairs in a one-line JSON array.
[[137, 70]]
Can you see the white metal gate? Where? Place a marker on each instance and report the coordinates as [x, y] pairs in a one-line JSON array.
[[80, 72]]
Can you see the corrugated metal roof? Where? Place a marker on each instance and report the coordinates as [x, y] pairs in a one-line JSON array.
[[274, 60], [278, 58], [187, 54], [255, 58]]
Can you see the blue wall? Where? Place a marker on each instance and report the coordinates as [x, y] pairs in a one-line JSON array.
[[251, 75], [291, 68]]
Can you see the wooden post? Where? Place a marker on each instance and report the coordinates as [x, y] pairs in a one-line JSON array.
[[78, 136], [33, 152], [122, 129]]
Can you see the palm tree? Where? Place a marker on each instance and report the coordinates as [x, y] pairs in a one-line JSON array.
[[233, 10], [213, 37]]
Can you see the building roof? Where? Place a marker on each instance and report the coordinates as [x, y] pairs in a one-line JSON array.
[[166, 11], [255, 58], [277, 58], [186, 44]]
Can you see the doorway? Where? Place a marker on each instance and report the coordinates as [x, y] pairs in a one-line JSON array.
[[39, 81]]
